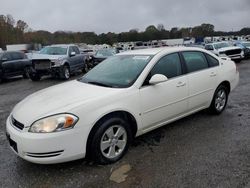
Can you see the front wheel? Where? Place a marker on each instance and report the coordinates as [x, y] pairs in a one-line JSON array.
[[26, 73], [65, 73], [110, 141], [85, 68], [219, 101]]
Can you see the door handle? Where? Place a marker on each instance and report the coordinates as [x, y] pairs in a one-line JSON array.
[[180, 84], [213, 74]]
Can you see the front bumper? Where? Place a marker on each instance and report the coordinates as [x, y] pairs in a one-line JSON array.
[[47, 148], [48, 71], [236, 57]]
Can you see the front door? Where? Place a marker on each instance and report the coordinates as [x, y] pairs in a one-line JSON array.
[[165, 101]]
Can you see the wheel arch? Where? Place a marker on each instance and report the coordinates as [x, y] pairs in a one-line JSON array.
[[120, 113], [226, 84], [66, 64]]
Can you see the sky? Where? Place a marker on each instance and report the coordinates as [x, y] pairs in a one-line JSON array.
[[102, 16]]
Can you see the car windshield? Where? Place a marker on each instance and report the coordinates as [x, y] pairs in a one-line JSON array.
[[51, 50], [247, 44], [221, 45], [118, 71], [105, 53]]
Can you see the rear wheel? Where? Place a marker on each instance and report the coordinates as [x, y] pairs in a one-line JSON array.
[[110, 141], [26, 72], [219, 101], [65, 73]]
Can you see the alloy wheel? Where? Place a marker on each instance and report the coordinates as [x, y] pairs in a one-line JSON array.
[[113, 141]]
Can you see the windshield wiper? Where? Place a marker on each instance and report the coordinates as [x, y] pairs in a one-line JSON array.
[[100, 84]]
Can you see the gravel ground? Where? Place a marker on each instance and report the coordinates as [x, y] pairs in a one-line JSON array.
[[198, 151]]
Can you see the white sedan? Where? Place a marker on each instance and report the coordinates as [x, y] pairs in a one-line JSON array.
[[125, 96]]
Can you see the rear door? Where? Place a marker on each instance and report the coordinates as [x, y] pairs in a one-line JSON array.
[[202, 79], [168, 100]]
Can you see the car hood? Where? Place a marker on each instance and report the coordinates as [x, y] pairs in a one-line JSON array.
[[228, 48], [46, 56], [57, 99]]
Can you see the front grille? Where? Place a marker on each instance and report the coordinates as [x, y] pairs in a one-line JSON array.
[[45, 155], [41, 64], [233, 52], [17, 124]]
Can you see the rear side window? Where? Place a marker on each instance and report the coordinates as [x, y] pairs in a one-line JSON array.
[[212, 61], [195, 61], [170, 66]]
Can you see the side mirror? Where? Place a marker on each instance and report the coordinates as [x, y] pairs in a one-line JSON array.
[[157, 78], [72, 54]]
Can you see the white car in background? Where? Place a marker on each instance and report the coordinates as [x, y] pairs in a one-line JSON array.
[[225, 49], [125, 96]]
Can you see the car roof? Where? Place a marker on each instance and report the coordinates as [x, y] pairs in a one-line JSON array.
[[154, 51], [62, 45]]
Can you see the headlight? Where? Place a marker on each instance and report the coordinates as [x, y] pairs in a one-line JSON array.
[[57, 62], [54, 123]]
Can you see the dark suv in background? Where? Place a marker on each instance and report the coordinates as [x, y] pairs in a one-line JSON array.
[[14, 64]]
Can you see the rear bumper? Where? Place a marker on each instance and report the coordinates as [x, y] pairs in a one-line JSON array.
[[48, 148]]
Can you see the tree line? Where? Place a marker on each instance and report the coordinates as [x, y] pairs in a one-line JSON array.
[[17, 32]]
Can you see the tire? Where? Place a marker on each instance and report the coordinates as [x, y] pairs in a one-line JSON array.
[[85, 68], [219, 101], [65, 73], [26, 73], [34, 77], [106, 146]]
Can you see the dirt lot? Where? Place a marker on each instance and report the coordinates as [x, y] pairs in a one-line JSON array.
[[199, 151]]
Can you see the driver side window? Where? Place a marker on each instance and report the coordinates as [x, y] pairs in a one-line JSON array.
[[169, 66], [70, 50]]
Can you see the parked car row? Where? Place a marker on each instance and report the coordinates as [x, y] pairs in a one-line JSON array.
[[64, 60], [56, 60]]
